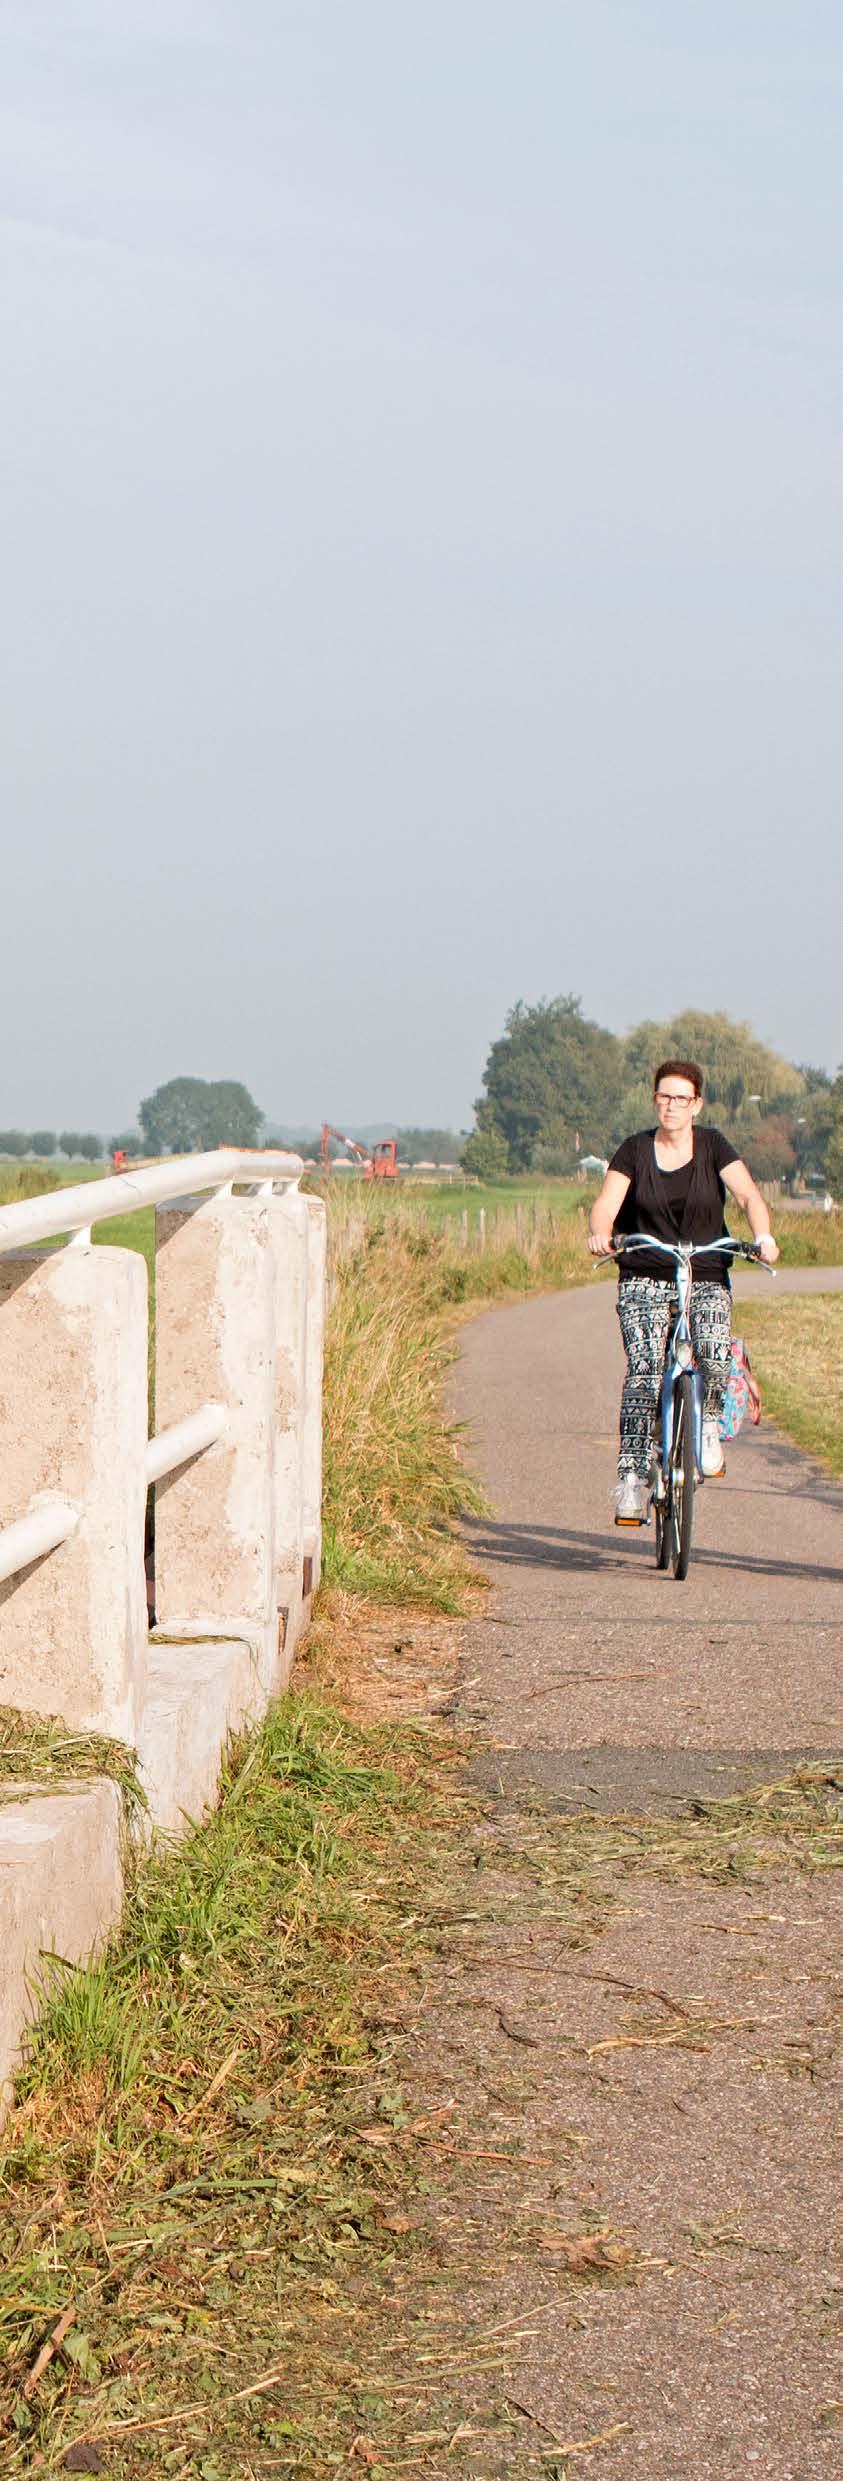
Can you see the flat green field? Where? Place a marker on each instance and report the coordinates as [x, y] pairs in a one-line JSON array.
[[447, 1201]]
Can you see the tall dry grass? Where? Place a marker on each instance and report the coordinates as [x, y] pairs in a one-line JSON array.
[[395, 1479], [796, 1346]]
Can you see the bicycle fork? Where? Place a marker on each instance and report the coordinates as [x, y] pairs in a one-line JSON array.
[[673, 1372]]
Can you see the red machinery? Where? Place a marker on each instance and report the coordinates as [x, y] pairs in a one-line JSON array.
[[381, 1164]]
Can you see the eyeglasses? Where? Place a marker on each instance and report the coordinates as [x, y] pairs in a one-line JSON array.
[[677, 1100]]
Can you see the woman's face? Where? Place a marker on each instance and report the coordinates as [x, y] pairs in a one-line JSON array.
[[677, 1105]]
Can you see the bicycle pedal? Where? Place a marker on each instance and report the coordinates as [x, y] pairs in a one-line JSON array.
[[630, 1524]]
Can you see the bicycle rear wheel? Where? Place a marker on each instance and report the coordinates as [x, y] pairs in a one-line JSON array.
[[682, 1476]]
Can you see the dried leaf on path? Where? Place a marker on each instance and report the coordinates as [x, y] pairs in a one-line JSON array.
[[53, 2344], [594, 2252]]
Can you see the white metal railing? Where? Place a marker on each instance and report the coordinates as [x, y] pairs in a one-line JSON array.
[[50, 1519], [184, 1439], [184, 1175]]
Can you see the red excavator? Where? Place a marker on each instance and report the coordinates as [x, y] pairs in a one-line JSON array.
[[380, 1164]]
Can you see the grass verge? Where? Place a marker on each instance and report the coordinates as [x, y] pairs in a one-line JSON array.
[[394, 1482], [213, 2188], [189, 2121], [796, 1348]]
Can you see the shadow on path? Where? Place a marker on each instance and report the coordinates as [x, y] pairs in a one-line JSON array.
[[590, 1554]]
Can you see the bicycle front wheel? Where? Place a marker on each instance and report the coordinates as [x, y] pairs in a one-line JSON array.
[[682, 1475]]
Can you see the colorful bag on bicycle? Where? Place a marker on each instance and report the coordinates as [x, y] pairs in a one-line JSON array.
[[743, 1394]]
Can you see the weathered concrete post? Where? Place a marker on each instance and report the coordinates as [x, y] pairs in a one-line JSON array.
[[73, 1631], [215, 1341], [290, 1229], [317, 1254]]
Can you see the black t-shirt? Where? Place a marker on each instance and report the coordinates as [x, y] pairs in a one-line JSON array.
[[657, 1201]]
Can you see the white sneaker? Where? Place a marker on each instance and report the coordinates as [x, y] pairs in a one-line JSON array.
[[713, 1459], [631, 1501]]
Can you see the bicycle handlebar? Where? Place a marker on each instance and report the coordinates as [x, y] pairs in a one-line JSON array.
[[628, 1242]]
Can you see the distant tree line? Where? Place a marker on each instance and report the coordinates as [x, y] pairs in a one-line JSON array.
[[558, 1086], [75, 1143], [187, 1114], [415, 1145], [429, 1145]]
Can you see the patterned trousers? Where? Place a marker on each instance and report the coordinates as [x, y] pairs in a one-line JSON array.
[[646, 1309]]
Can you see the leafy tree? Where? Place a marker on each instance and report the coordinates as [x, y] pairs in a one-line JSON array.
[[815, 1126], [551, 1074], [89, 1145], [129, 1141], [70, 1142], [769, 1148], [485, 1155], [834, 1150], [429, 1145], [13, 1141], [734, 1063], [190, 1113], [44, 1141]]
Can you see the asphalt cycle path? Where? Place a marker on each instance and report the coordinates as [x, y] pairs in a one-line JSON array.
[[588, 1653], [651, 2078]]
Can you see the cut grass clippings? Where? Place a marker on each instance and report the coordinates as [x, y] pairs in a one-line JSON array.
[[212, 2183], [189, 2122], [796, 1348], [39, 1750]]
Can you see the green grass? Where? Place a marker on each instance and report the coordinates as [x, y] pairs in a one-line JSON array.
[[23, 1180], [448, 1202], [135, 1231], [796, 1348], [194, 2116]]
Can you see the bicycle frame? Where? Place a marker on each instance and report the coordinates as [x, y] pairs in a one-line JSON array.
[[679, 1354]]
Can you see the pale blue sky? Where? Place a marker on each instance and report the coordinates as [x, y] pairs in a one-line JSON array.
[[422, 543]]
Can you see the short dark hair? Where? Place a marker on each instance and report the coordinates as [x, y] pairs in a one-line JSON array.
[[680, 1068]]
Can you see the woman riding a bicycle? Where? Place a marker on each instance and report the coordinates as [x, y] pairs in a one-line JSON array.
[[671, 1181]]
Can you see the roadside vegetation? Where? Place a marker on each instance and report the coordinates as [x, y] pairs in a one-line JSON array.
[[400, 1276], [213, 2192], [796, 1349]]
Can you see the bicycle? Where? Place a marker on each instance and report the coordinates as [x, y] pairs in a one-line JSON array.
[[678, 1467]]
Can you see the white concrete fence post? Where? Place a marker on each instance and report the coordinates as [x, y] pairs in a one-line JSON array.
[[215, 1339], [236, 1465], [73, 1422], [317, 1264], [290, 1231]]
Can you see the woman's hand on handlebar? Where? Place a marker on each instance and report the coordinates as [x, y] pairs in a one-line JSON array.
[[600, 1244], [767, 1248]]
